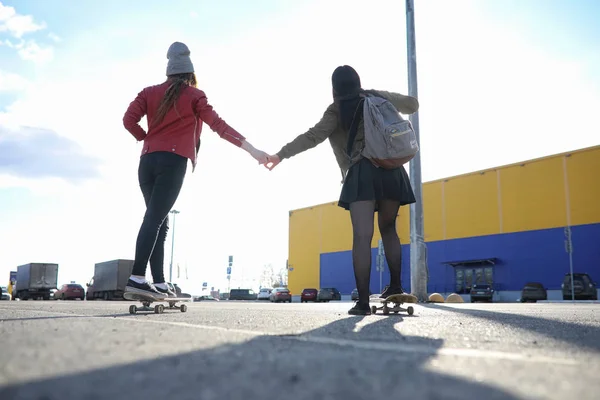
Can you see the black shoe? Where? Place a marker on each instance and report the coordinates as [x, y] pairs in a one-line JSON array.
[[390, 291], [145, 288], [360, 309], [166, 291]]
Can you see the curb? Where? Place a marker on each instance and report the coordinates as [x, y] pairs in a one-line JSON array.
[[570, 301]]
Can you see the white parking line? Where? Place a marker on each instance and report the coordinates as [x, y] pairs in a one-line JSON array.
[[357, 344]]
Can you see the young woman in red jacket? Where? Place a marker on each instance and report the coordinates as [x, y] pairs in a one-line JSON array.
[[175, 111]]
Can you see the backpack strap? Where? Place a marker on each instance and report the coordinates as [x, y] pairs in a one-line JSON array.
[[353, 129]]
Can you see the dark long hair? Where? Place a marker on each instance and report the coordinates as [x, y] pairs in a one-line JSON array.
[[346, 94], [178, 82]]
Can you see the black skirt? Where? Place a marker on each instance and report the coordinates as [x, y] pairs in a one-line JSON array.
[[365, 181]]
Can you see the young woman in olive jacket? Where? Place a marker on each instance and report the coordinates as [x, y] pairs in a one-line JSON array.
[[366, 188]]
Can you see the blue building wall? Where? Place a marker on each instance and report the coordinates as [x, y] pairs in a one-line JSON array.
[[521, 257]]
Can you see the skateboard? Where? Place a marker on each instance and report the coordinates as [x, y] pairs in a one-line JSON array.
[[397, 300], [159, 308]]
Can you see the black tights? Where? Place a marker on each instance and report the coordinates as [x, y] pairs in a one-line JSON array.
[[362, 214], [161, 176]]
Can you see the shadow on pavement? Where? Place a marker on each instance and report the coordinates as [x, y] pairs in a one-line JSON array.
[[63, 317], [587, 336], [348, 365]]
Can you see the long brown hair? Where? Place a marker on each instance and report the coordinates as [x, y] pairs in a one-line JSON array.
[[178, 82]]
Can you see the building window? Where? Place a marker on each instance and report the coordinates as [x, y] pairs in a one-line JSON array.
[[489, 276], [460, 287], [467, 276]]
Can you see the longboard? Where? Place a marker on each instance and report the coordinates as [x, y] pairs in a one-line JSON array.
[[159, 308], [397, 300]]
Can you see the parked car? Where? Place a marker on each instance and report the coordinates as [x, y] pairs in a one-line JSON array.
[[280, 294], [242, 294], [584, 286], [308, 295], [206, 297], [481, 292], [354, 294], [328, 294], [264, 293], [70, 291], [4, 293], [532, 292]]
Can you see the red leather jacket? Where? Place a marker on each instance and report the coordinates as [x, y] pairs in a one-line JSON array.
[[180, 130]]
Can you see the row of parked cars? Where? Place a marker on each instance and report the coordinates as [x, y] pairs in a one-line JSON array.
[[584, 288], [75, 291], [283, 295]]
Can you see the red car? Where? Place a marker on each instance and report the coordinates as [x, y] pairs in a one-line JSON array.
[[308, 295], [70, 291]]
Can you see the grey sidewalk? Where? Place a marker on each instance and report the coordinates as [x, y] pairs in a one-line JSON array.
[[253, 350]]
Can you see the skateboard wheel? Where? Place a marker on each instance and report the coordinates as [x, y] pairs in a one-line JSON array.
[[159, 309], [132, 309], [373, 310], [183, 308], [386, 311], [410, 310]]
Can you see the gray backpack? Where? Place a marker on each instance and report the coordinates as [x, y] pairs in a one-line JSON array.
[[390, 141]]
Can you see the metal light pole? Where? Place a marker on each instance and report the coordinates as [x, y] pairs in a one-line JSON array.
[[174, 212], [418, 250]]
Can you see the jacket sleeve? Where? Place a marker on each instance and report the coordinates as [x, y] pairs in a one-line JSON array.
[[136, 110], [217, 124], [404, 104], [314, 136]]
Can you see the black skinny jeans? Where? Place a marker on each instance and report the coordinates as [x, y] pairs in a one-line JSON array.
[[161, 176]]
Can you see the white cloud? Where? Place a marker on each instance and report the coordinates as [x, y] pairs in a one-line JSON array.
[[31, 51], [54, 37], [10, 82], [16, 24]]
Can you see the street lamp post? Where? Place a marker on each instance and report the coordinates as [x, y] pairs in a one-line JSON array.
[[174, 212], [418, 249]]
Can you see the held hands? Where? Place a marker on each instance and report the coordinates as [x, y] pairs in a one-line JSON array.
[[272, 162], [269, 161], [258, 155]]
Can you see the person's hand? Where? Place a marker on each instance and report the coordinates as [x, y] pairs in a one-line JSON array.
[[259, 156], [272, 162]]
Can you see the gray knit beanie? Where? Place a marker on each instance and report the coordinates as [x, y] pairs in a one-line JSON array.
[[179, 59]]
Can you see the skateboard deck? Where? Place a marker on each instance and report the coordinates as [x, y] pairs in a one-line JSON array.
[[397, 300], [146, 300]]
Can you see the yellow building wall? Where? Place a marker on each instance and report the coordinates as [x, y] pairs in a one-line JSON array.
[[433, 212], [336, 228], [533, 196], [583, 173], [471, 205], [304, 249], [526, 196]]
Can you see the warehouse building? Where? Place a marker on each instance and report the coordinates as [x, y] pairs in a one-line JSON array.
[[504, 226]]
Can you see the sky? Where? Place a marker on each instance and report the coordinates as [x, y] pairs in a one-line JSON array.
[[498, 83]]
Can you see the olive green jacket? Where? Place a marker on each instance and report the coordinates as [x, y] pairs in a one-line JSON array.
[[329, 128]]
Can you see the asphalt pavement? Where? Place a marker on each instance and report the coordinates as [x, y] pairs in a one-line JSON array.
[[257, 350]]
